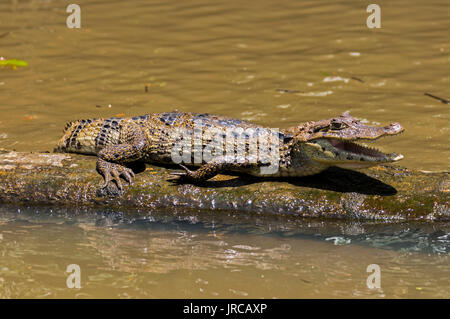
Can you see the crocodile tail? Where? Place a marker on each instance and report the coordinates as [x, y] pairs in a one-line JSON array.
[[89, 136]]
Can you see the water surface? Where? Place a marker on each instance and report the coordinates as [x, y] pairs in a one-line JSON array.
[[193, 254], [229, 57]]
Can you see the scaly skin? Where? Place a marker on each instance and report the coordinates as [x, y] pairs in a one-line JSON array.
[[302, 150]]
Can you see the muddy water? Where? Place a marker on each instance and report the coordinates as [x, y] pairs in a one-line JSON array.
[[204, 256], [231, 58]]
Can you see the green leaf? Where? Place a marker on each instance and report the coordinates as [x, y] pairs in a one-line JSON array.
[[13, 62]]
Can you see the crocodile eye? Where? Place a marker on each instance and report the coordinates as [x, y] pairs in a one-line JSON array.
[[335, 126], [338, 125]]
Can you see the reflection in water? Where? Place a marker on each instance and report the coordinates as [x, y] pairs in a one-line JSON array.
[[205, 255]]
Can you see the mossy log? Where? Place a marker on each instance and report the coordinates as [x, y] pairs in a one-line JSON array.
[[383, 192]]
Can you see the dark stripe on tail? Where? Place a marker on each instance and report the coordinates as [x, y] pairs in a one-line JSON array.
[[103, 137]]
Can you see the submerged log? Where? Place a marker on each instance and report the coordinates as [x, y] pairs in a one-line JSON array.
[[381, 193]]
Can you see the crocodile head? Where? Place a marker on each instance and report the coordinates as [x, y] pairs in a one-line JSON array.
[[333, 142]]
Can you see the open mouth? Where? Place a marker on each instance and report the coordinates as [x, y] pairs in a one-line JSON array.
[[357, 149], [363, 151]]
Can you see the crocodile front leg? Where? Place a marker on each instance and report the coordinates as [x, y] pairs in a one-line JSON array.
[[112, 159], [112, 172], [216, 166]]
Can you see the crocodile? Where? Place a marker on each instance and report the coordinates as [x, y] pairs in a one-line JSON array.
[[305, 149]]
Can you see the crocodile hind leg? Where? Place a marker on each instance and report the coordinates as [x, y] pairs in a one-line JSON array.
[[216, 166], [113, 158]]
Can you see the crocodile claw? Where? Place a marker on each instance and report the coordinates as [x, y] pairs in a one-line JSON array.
[[112, 173], [181, 176]]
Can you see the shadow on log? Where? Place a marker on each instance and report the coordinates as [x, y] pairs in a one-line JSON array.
[[380, 193], [334, 179]]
